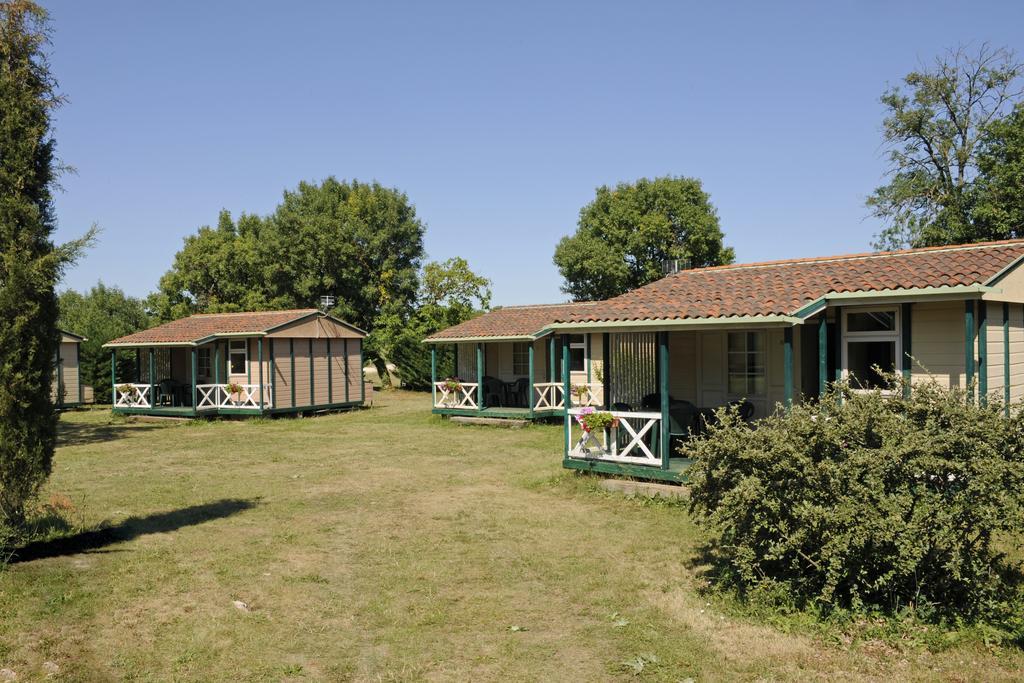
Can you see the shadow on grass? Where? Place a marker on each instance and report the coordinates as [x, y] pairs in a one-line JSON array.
[[133, 527], [74, 434]]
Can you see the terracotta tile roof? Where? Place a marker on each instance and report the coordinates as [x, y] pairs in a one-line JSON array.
[[203, 325], [783, 287], [511, 321]]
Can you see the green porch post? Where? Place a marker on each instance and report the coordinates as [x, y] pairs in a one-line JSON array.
[[216, 362], [481, 398], [195, 377], [259, 360], [907, 343], [138, 365], [787, 366], [666, 439], [455, 360], [566, 402], [529, 387], [433, 375], [606, 346], [822, 355], [113, 376], [969, 348], [1006, 359], [839, 345], [330, 373], [152, 379], [551, 358], [273, 375], [586, 360], [982, 353], [362, 375]]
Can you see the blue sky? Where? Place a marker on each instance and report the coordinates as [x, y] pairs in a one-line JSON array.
[[497, 119]]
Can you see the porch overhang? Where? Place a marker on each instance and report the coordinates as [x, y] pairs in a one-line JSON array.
[[184, 344], [892, 296], [474, 340]]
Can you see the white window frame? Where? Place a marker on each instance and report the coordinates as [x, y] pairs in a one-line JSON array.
[[581, 344], [208, 354], [244, 351], [896, 337], [524, 357], [746, 354]]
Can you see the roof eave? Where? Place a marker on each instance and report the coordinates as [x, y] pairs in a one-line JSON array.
[[890, 295], [454, 340], [677, 323]]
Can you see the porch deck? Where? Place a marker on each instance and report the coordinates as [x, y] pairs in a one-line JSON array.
[[503, 412], [676, 472]]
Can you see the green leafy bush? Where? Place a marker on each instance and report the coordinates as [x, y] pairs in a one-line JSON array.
[[868, 502]]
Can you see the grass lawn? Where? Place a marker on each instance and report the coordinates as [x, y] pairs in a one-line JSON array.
[[386, 544]]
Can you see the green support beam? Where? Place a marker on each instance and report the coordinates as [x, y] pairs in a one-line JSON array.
[[969, 347], [1006, 359], [551, 359], [666, 441], [259, 360], [982, 353], [906, 339], [272, 367], [822, 355], [605, 366], [529, 388], [433, 374], [481, 397], [787, 366], [838, 359], [566, 389], [195, 377], [362, 376], [152, 378], [113, 375]]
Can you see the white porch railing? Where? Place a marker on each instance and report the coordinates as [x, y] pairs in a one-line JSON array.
[[551, 395], [632, 431], [463, 396], [130, 395], [214, 396]]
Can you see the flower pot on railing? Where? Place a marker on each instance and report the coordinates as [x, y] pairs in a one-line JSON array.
[[129, 393], [453, 387], [592, 422], [234, 392]]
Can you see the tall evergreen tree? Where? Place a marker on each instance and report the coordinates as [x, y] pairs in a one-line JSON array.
[[30, 263]]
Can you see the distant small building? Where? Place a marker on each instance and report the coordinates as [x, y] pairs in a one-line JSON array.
[[256, 363], [67, 389]]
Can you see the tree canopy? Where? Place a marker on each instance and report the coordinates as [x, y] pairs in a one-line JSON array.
[[625, 236], [101, 314], [360, 242], [30, 263], [1000, 207], [938, 123]]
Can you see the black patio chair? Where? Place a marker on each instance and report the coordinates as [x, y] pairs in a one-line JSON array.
[[520, 390], [166, 390], [494, 391]]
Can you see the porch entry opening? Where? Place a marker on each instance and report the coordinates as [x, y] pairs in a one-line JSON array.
[[632, 368]]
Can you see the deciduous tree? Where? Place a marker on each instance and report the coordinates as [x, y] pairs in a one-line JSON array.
[[625, 236], [934, 127]]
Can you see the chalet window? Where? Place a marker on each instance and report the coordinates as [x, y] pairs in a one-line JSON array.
[[520, 358], [577, 353], [203, 364], [870, 340], [238, 356], [746, 363]]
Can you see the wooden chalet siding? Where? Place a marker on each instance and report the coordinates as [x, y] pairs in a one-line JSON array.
[[994, 365], [320, 383], [282, 373], [938, 341], [69, 372], [1016, 351], [683, 381], [338, 363], [355, 370], [302, 376]]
